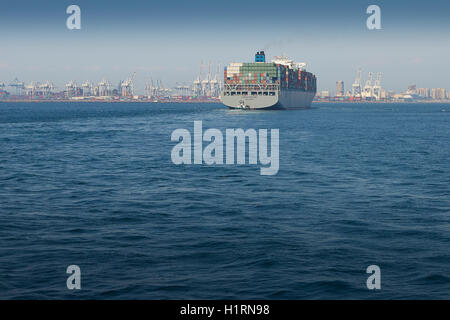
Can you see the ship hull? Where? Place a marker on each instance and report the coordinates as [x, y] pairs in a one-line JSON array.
[[284, 99], [295, 99]]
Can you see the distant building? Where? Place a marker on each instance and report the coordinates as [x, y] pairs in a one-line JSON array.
[[438, 94], [412, 89], [390, 94], [340, 88], [424, 92], [325, 93]]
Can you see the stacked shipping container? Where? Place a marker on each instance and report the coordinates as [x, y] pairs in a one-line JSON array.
[[270, 73]]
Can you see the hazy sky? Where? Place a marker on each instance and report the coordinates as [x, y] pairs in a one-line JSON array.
[[168, 39]]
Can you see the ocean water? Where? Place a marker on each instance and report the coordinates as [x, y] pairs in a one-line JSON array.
[[94, 185]]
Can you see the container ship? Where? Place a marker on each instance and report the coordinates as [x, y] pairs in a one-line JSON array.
[[282, 83]]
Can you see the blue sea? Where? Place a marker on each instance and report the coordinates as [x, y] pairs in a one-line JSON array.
[[93, 185]]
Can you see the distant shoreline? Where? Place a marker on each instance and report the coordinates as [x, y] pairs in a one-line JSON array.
[[381, 102], [110, 101], [209, 101]]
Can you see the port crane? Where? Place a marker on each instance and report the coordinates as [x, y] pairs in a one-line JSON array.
[[71, 89], [368, 88], [356, 87], [104, 88], [148, 89], [87, 88], [377, 87], [19, 86], [128, 86], [45, 89]]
